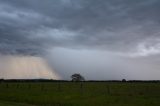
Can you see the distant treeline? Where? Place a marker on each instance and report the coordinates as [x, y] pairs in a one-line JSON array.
[[130, 81], [31, 80], [52, 80]]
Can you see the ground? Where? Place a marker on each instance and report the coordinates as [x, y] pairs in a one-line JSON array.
[[80, 94]]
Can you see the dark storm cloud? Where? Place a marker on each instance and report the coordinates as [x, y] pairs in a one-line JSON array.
[[31, 26]]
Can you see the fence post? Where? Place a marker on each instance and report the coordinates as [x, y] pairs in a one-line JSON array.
[[7, 86], [42, 87], [108, 89], [59, 86], [29, 86], [17, 85], [81, 86]]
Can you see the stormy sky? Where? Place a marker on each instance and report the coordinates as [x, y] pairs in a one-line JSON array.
[[100, 39]]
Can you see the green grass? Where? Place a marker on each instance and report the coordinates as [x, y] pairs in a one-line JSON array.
[[6, 103], [72, 94]]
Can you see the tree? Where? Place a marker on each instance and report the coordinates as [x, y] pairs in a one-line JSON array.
[[123, 80], [77, 77]]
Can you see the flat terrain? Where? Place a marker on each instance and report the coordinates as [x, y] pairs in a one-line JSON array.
[[79, 94]]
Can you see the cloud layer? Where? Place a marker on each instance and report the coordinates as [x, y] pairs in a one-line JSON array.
[[123, 28], [27, 27]]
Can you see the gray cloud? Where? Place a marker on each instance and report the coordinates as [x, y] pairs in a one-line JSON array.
[[111, 25], [127, 29]]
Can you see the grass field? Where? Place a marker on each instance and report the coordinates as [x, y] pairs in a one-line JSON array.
[[77, 94]]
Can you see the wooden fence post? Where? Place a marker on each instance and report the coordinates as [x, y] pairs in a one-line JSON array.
[[7, 86], [81, 87], [29, 86], [42, 87], [17, 85], [108, 89], [59, 86]]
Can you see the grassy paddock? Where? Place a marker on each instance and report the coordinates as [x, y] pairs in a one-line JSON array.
[[80, 94]]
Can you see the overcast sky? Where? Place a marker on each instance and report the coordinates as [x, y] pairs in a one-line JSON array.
[[100, 39]]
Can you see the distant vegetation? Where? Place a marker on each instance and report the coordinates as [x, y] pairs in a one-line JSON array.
[[67, 93], [77, 77]]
